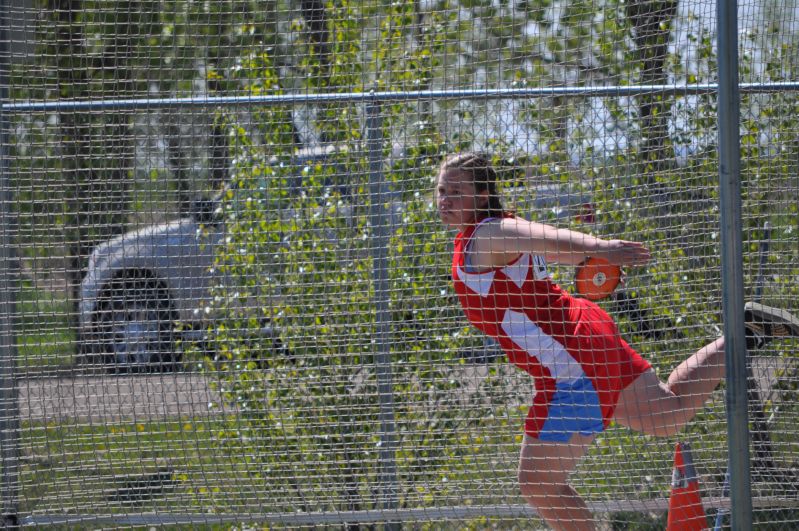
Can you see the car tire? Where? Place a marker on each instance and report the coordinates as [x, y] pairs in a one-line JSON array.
[[134, 328]]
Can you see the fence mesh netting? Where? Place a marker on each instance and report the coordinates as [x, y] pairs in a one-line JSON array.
[[231, 287]]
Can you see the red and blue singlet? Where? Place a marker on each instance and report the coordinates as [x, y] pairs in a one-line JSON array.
[[570, 346]]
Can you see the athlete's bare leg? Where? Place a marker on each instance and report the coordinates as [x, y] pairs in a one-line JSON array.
[[544, 470], [658, 408], [647, 405], [662, 409]]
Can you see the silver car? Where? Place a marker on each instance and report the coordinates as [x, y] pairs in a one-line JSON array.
[[139, 284]]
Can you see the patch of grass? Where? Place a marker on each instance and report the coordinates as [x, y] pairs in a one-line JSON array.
[[179, 467], [46, 338], [131, 467]]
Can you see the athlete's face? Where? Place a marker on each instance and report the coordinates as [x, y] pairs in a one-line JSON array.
[[457, 201]]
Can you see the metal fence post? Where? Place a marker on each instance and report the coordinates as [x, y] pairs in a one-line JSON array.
[[9, 406], [379, 222], [732, 265]]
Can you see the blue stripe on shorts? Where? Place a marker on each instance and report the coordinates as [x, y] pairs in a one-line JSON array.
[[574, 408]]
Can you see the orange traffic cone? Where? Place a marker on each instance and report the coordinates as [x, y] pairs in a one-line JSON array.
[[686, 512]]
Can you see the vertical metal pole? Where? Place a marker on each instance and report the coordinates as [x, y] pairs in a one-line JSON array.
[[765, 448], [732, 264], [9, 405], [379, 221]]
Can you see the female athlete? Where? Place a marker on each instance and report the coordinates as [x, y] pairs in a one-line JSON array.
[[585, 374]]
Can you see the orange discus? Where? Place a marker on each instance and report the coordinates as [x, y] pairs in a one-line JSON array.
[[596, 278]]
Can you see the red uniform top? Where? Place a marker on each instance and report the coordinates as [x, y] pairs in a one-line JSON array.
[[564, 342]]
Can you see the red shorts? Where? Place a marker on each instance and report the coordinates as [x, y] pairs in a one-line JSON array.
[[586, 405]]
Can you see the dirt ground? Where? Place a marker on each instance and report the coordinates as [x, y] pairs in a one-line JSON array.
[[113, 398], [95, 399]]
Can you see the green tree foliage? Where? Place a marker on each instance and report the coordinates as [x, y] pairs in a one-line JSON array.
[[298, 253], [305, 255], [90, 50], [300, 245]]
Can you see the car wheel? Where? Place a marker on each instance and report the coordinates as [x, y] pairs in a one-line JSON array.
[[135, 328]]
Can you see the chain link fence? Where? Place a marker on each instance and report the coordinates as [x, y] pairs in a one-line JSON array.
[[226, 293]]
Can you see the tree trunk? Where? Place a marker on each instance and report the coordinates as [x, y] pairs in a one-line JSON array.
[[178, 162], [117, 179], [651, 21], [72, 82], [220, 155], [313, 12], [96, 170]]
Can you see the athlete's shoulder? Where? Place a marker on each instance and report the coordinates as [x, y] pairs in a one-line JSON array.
[[508, 226]]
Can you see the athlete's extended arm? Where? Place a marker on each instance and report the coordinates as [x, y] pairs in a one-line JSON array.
[[497, 243]]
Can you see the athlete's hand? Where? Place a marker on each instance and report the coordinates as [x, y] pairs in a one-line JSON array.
[[622, 252]]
